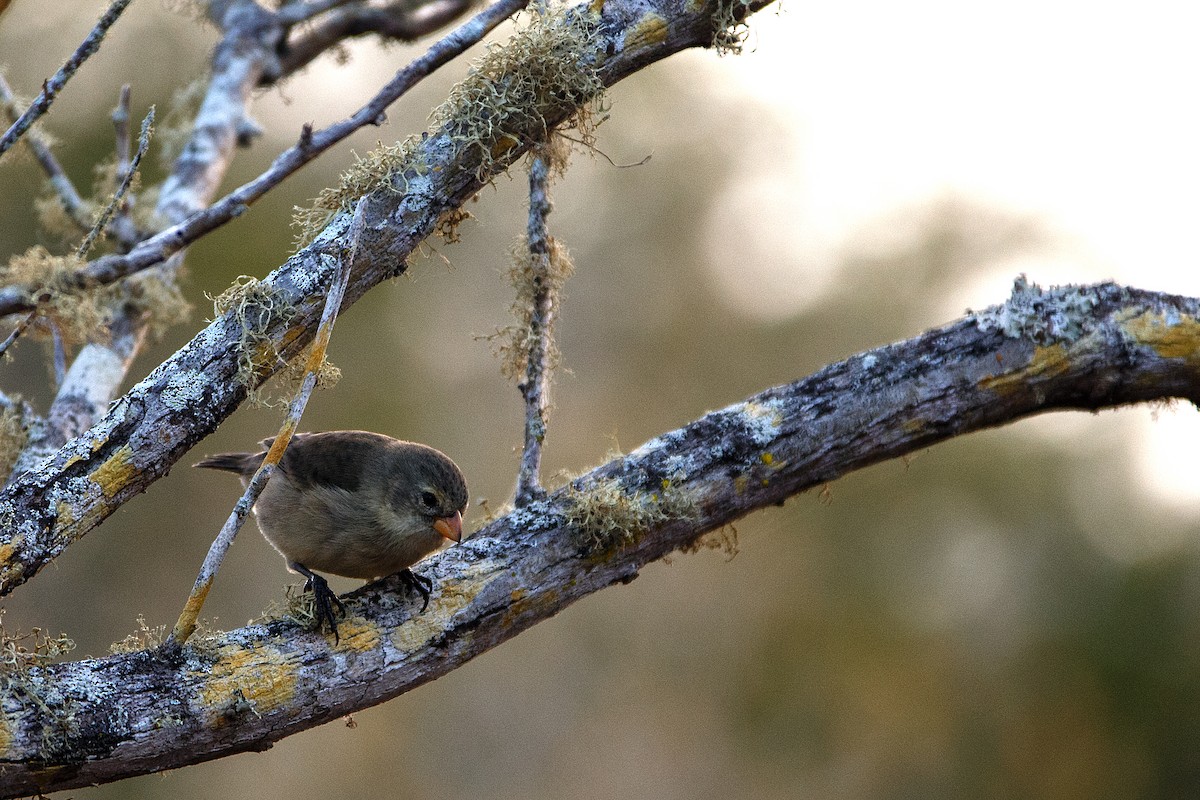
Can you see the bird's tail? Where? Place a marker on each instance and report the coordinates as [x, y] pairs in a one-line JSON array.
[[241, 463]]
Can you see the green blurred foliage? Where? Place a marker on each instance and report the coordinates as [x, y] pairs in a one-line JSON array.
[[946, 626]]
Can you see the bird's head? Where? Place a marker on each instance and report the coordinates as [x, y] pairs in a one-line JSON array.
[[428, 488]]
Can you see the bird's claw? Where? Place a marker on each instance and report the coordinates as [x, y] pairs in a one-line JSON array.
[[324, 601], [420, 584]]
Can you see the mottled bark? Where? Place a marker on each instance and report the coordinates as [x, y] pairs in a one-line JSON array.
[[69, 725]]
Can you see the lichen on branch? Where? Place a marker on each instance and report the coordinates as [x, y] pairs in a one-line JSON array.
[[512, 96]]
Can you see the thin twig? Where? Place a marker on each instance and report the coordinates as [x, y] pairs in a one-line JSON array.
[[123, 229], [186, 625], [143, 145], [17, 331], [396, 21], [72, 202], [157, 248], [51, 88], [543, 305]]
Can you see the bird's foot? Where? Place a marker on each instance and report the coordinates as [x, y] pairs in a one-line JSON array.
[[324, 600], [419, 584]]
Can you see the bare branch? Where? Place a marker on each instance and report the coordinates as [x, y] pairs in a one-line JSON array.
[[15, 333], [51, 88], [119, 194], [399, 21], [123, 229], [120, 119], [1088, 347], [296, 12]]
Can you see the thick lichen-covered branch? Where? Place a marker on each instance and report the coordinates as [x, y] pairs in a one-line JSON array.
[[1077, 347], [546, 74]]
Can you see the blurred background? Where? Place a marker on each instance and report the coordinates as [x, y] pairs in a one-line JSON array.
[[1012, 614]]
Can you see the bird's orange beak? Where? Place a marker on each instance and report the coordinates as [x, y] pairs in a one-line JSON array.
[[450, 527]]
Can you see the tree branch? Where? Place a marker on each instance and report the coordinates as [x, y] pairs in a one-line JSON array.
[[398, 21], [51, 87], [144, 432], [185, 626], [1087, 348], [158, 248], [240, 57], [536, 338]]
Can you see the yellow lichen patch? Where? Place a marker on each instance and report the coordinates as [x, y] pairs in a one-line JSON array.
[[1178, 340], [1047, 361], [651, 29], [6, 735], [452, 598], [253, 680], [114, 474], [764, 412], [64, 514], [740, 484], [358, 635], [524, 604], [185, 626], [9, 548]]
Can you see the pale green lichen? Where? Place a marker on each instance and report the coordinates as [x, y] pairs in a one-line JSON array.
[[78, 314], [144, 638], [1043, 316], [512, 96], [20, 651], [607, 516], [729, 26], [176, 126], [253, 305], [514, 343], [14, 434]]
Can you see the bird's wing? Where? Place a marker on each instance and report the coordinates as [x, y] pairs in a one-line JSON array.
[[321, 459]]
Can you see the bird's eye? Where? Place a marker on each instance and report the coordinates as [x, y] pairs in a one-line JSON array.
[[429, 500]]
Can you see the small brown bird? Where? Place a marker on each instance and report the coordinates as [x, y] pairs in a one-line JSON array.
[[357, 504]]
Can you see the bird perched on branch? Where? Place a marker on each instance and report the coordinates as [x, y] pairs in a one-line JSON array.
[[356, 504]]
